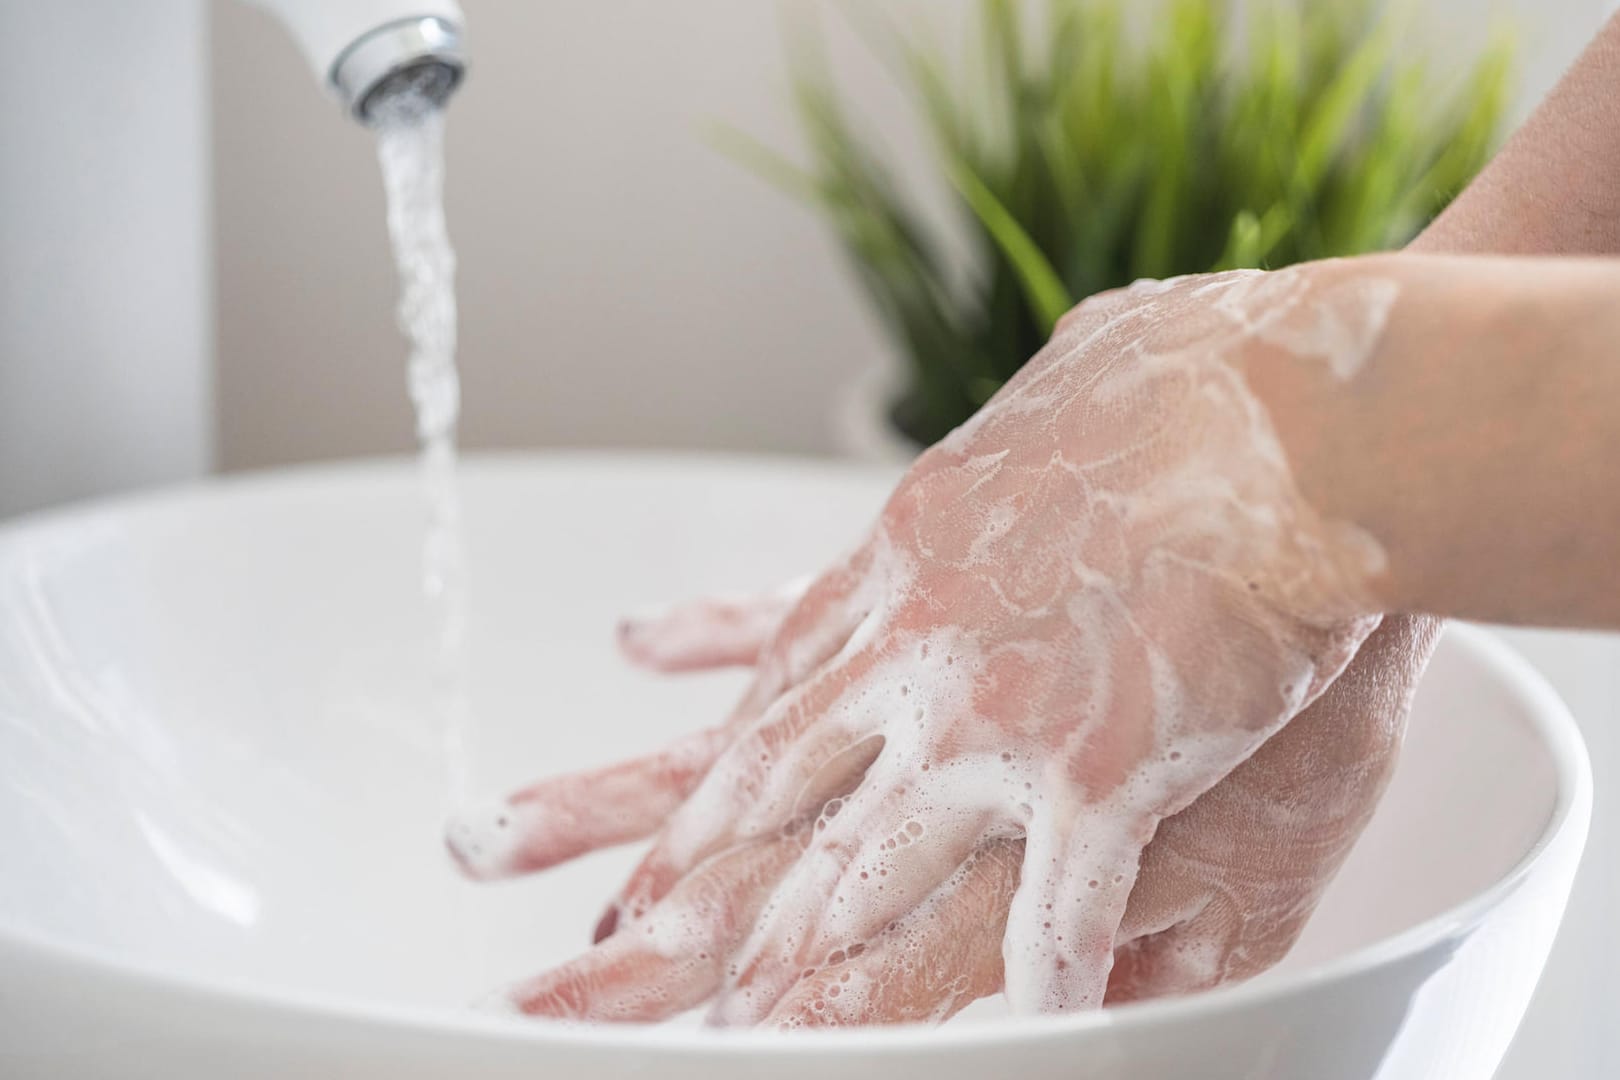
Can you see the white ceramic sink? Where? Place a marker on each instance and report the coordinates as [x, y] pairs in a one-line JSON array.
[[222, 787]]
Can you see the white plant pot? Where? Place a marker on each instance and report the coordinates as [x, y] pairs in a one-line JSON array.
[[860, 419]]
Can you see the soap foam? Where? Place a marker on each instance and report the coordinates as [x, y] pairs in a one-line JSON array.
[[1053, 622], [1077, 613]]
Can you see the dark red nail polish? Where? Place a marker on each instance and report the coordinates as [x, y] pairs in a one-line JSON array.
[[608, 923]]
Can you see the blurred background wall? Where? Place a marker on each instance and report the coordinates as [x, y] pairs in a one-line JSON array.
[[620, 281]]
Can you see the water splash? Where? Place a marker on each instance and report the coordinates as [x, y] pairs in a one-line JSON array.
[[410, 149]]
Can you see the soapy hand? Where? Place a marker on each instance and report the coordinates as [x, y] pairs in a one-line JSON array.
[[1081, 612]]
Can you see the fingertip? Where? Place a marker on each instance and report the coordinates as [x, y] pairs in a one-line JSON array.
[[559, 996], [630, 634], [657, 642], [485, 843], [501, 1002]]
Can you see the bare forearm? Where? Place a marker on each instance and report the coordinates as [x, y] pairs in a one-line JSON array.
[[1554, 189], [1480, 443]]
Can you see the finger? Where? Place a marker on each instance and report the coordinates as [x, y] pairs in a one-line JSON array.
[[814, 631], [841, 771], [675, 958], [1184, 959], [935, 960], [715, 632], [1080, 864], [1227, 885], [563, 817], [872, 858], [794, 687], [755, 786]]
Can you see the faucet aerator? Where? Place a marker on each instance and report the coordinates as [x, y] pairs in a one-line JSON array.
[[421, 57]]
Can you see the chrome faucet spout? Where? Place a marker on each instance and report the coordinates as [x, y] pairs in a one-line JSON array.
[[420, 55], [366, 51]]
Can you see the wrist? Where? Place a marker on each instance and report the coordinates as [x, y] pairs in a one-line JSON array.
[[1323, 404], [1477, 443]]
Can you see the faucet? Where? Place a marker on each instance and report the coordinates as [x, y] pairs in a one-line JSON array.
[[365, 50], [125, 234]]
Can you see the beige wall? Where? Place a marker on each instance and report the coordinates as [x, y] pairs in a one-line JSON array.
[[621, 283]]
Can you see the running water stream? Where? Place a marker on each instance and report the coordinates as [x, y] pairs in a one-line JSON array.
[[410, 148]]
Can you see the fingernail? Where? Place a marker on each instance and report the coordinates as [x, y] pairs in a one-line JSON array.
[[464, 850], [605, 926], [631, 637]]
